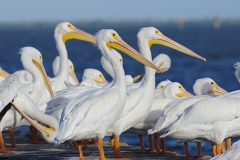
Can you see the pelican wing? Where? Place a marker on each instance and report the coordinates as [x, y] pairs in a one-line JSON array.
[[133, 99], [208, 111], [86, 114], [8, 90]]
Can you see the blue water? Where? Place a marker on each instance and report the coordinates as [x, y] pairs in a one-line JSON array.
[[220, 47]]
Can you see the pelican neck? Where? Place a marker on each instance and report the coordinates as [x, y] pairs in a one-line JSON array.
[[62, 73]]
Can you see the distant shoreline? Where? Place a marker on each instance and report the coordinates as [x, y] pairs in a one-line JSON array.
[[122, 22]]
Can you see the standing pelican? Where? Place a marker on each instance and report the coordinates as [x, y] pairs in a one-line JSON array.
[[212, 119], [139, 100], [89, 116], [172, 111]]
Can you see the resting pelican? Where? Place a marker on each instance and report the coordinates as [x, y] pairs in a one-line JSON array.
[[3, 74], [175, 108], [72, 76], [89, 116], [170, 91], [12, 96], [207, 86], [94, 76], [139, 100]]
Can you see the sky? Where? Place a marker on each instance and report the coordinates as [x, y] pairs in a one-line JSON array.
[[116, 10]]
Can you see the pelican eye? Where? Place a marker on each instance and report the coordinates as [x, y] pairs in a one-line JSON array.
[[120, 60], [40, 57], [156, 32], [100, 75], [179, 87], [212, 83], [71, 68], [69, 25]]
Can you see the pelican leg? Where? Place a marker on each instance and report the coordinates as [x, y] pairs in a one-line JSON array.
[[151, 148], [11, 133], [228, 143], [223, 149], [219, 146], [164, 149], [141, 142], [85, 146], [112, 140], [101, 150], [188, 155], [34, 133], [2, 145], [214, 149], [199, 154], [118, 150], [79, 145], [158, 150], [75, 146]]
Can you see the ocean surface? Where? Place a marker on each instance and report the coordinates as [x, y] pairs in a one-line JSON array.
[[221, 48]]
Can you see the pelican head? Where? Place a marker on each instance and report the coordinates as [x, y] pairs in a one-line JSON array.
[[95, 75], [56, 66], [162, 84], [67, 31], [154, 36], [175, 90], [204, 86], [49, 129], [163, 62], [32, 61], [108, 39]]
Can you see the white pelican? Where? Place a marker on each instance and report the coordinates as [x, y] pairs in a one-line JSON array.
[[33, 63], [172, 111], [26, 77], [207, 86], [56, 105], [90, 116], [63, 32], [3, 74], [72, 76], [231, 154], [212, 119], [12, 96], [139, 100], [171, 91]]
